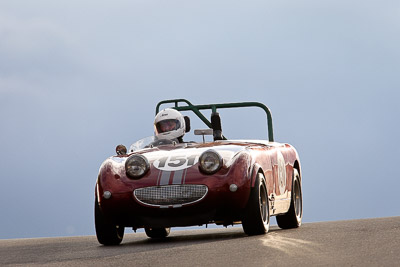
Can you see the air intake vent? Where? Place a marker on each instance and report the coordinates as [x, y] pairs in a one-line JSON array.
[[175, 195]]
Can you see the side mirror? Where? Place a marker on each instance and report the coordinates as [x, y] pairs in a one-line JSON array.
[[204, 132], [121, 150]]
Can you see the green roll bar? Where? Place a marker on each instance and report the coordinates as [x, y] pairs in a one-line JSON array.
[[196, 109]]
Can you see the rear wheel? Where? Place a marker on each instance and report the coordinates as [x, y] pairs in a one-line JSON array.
[[256, 215], [157, 232], [107, 233], [292, 219]]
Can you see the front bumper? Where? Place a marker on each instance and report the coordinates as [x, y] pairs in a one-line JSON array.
[[219, 204]]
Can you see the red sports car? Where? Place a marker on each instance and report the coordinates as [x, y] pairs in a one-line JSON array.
[[158, 184]]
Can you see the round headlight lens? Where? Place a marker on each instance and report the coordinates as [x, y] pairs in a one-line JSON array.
[[210, 162], [136, 166]]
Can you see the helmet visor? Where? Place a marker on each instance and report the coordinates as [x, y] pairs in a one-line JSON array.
[[167, 125]]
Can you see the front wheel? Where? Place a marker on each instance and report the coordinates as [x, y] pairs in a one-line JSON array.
[[292, 219], [255, 220], [157, 232], [107, 233]]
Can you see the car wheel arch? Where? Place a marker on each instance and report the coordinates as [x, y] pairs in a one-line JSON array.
[[296, 165], [256, 170]]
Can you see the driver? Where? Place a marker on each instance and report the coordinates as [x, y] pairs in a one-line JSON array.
[[169, 124]]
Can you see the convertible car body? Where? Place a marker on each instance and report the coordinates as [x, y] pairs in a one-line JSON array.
[[159, 184]]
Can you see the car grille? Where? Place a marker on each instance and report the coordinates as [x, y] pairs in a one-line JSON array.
[[175, 195]]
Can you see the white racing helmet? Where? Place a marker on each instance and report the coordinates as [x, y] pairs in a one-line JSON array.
[[169, 124]]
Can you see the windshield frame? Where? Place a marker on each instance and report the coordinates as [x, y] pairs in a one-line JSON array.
[[150, 142]]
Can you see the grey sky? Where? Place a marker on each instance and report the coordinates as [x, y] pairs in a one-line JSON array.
[[79, 77]]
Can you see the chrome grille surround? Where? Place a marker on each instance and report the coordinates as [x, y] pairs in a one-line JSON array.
[[170, 195]]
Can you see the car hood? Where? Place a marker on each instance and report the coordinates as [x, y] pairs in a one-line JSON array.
[[182, 156]]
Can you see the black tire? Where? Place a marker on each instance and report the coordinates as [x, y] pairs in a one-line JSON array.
[[256, 216], [292, 219], [157, 232], [107, 233]]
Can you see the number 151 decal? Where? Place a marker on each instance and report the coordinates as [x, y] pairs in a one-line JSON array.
[[174, 163]]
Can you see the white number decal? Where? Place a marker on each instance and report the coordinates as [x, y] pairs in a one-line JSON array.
[[173, 163], [281, 173]]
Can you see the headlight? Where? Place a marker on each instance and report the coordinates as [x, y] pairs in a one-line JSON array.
[[210, 162], [136, 166]]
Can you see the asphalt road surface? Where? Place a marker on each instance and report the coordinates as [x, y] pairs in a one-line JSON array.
[[367, 242]]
